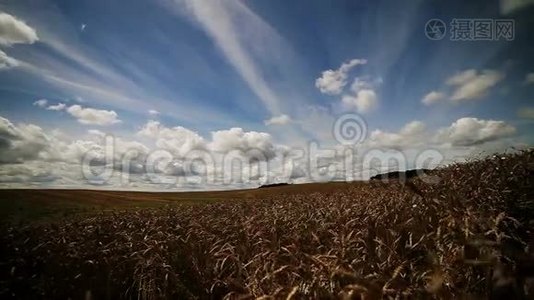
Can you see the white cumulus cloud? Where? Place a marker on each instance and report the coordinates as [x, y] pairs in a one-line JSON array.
[[178, 140], [96, 132], [57, 107], [20, 143], [470, 84], [332, 82], [30, 155], [364, 101], [15, 31], [91, 116], [432, 98], [411, 134], [41, 102], [278, 120], [237, 139], [461, 133], [473, 131]]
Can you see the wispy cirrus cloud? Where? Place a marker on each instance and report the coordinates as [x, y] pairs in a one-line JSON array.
[[510, 6], [218, 19], [7, 62], [232, 67], [526, 113], [56, 71], [75, 69]]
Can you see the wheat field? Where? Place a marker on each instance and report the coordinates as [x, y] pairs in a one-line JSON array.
[[469, 235]]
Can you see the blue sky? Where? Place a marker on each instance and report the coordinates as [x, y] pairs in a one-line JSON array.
[[273, 69]]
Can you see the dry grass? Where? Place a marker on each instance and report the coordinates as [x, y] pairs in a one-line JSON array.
[[470, 235]]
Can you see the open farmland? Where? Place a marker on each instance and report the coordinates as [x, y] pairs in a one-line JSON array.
[[31, 205], [468, 235]]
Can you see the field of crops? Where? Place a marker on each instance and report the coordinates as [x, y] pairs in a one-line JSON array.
[[470, 235]]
